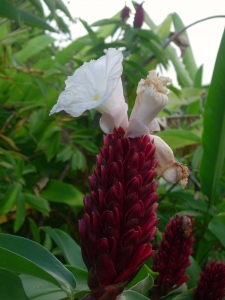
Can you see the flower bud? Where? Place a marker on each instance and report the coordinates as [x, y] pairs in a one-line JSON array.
[[211, 285], [139, 16], [125, 13], [151, 99], [170, 170]]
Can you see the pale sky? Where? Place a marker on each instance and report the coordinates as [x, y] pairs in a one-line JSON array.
[[204, 37]]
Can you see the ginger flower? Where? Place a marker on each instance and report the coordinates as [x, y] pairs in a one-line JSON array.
[[151, 99], [98, 85]]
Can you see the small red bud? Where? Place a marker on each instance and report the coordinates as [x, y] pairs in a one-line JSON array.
[[125, 13], [139, 16]]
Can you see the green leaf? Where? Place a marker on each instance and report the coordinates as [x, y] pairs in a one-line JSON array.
[[182, 74], [21, 255], [132, 295], [60, 5], [144, 285], [81, 278], [21, 16], [69, 248], [194, 273], [90, 146], [34, 230], [185, 137], [20, 213], [11, 196], [163, 30], [198, 77], [107, 22], [11, 286], [8, 11], [213, 139], [188, 58], [217, 227], [90, 31], [39, 289], [38, 203], [188, 295], [144, 274], [37, 4], [34, 46], [57, 191]]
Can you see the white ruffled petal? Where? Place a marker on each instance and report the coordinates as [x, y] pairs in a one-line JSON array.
[[91, 85]]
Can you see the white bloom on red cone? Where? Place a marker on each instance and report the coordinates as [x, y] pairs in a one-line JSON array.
[[151, 99], [96, 84], [170, 170]]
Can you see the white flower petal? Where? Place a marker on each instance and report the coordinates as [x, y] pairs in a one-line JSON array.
[[170, 170], [151, 99], [91, 85]]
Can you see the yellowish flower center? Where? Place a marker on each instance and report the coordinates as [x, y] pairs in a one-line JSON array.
[[96, 97]]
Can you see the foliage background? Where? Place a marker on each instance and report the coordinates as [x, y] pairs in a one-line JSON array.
[[45, 161]]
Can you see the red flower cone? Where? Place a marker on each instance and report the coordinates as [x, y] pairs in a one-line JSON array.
[[125, 13], [172, 258], [211, 285], [139, 16], [120, 217]]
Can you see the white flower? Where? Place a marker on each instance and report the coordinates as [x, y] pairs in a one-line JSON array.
[[96, 84], [151, 99], [170, 170]]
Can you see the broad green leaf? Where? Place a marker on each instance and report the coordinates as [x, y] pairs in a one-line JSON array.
[[143, 286], [107, 22], [38, 5], [38, 203], [163, 30], [186, 96], [198, 77], [205, 244], [24, 256], [34, 46], [60, 5], [34, 230], [8, 11], [11, 286], [143, 274], [182, 74], [132, 295], [22, 16], [217, 227], [193, 271], [57, 191], [81, 278], [39, 289], [177, 138], [188, 58], [51, 5], [20, 213], [69, 248], [11, 196], [188, 295], [213, 139], [90, 146], [90, 31]]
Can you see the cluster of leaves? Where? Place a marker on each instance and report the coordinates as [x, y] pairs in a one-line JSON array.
[[45, 161]]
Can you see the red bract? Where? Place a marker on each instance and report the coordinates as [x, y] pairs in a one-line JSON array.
[[125, 13], [173, 255], [139, 16], [120, 217], [211, 285]]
